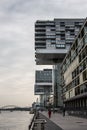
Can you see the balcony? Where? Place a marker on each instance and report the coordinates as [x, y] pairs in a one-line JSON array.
[[40, 33]]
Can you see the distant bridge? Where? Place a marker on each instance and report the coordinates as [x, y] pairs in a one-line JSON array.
[[9, 106], [14, 108]]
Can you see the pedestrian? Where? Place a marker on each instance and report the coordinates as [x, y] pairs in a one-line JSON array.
[[64, 111], [49, 113]]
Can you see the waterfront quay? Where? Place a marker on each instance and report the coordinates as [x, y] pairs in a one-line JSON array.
[[58, 122]]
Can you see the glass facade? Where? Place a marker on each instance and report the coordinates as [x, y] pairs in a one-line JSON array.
[[52, 37], [43, 85], [58, 31]]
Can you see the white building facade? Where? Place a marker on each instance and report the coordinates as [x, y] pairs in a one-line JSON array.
[[74, 70]]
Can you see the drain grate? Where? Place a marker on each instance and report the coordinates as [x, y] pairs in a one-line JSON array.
[[79, 122]]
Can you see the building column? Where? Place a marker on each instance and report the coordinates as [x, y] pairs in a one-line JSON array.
[[57, 85]]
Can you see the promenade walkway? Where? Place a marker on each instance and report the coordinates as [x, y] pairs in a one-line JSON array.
[[65, 123], [50, 125]]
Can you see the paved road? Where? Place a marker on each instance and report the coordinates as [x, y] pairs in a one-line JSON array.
[[50, 125]]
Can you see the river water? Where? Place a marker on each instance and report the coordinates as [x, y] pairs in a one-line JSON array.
[[15, 120]]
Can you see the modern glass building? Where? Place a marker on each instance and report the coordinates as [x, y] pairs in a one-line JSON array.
[[52, 41], [74, 70], [43, 85], [54, 38]]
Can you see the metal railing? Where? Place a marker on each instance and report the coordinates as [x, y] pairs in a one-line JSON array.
[[37, 124]]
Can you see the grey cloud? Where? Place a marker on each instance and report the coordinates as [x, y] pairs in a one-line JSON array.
[[17, 65]]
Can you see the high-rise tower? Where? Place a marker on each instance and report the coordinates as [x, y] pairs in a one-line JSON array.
[[52, 41]]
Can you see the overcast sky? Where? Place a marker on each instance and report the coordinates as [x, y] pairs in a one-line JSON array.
[[17, 60]]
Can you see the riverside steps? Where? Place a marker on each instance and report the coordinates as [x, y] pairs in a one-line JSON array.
[[58, 122]]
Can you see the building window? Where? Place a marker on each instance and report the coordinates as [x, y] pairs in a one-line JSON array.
[[77, 81], [60, 45], [62, 24], [74, 74], [85, 39], [83, 88], [77, 90], [85, 75]]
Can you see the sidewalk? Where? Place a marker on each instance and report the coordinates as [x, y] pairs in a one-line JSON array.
[[50, 125], [68, 122]]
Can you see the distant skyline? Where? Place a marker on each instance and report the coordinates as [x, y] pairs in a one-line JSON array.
[[17, 54]]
